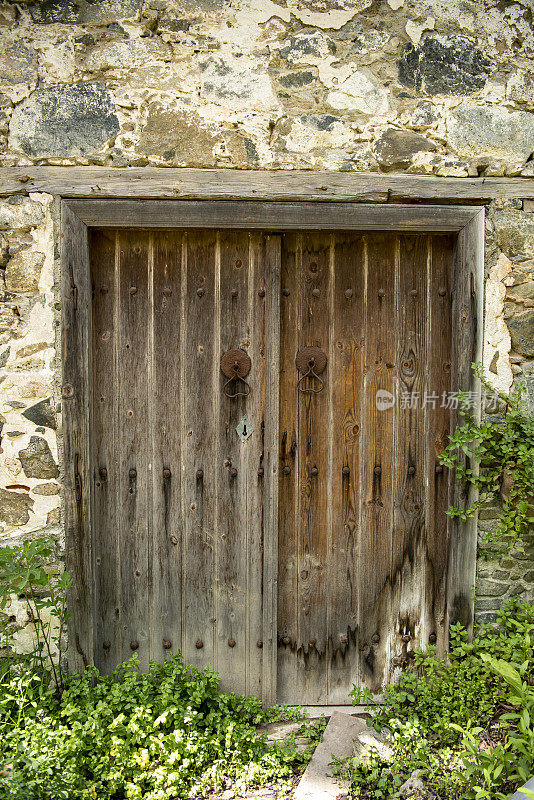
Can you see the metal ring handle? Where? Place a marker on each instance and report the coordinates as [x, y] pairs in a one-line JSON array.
[[236, 377], [310, 373]]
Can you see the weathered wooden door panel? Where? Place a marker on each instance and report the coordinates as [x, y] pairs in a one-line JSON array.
[[177, 516], [362, 500]]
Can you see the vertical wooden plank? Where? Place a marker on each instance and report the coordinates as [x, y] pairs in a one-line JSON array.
[[108, 636], [76, 408], [313, 285], [346, 376], [467, 308], [166, 404], [132, 446], [409, 543], [271, 459], [377, 463], [198, 388], [288, 472], [438, 424], [255, 464], [233, 476]]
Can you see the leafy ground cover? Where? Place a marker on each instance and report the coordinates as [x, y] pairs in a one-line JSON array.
[[464, 723], [167, 734]]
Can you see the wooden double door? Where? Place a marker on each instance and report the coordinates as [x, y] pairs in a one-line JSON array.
[[268, 412]]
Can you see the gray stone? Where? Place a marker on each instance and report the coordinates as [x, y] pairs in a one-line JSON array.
[[294, 80], [18, 64], [68, 12], [395, 148], [528, 381], [23, 271], [444, 65], [4, 355], [300, 47], [317, 782], [489, 588], [522, 331], [46, 489], [491, 131], [488, 603], [20, 214], [522, 292], [37, 459], [416, 789], [64, 121], [14, 507], [42, 413]]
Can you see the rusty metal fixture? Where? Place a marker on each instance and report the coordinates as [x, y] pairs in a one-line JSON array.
[[343, 638], [407, 637], [414, 293], [134, 645], [259, 643], [316, 292], [311, 363], [238, 263], [375, 638], [234, 293], [166, 473], [106, 645], [201, 291], [261, 472], [345, 470], [396, 661], [133, 289], [167, 291], [314, 471], [381, 292], [377, 470], [432, 638], [286, 470], [286, 292], [231, 642], [348, 293], [286, 640], [103, 472], [132, 473], [235, 365], [199, 644], [233, 472], [442, 291], [312, 640], [199, 474], [67, 390], [313, 266], [411, 470], [261, 292], [167, 644], [439, 468]]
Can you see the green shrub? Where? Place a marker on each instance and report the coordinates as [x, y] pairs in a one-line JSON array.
[[465, 722], [167, 734]]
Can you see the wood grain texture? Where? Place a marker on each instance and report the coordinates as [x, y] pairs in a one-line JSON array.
[[76, 329], [108, 605], [274, 216], [312, 185]]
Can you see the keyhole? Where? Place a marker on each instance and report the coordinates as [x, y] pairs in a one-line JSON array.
[[244, 430]]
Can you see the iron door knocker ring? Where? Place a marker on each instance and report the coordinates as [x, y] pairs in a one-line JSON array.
[[311, 362], [235, 365]]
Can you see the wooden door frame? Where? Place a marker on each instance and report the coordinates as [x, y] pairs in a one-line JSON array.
[[79, 215]]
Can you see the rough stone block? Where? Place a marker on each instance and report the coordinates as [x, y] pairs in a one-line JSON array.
[[444, 65], [493, 131], [489, 588], [395, 148], [23, 271], [20, 214], [42, 414], [14, 508], [18, 64], [37, 459], [522, 331], [64, 120]]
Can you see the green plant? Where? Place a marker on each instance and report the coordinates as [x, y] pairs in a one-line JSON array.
[[465, 723], [25, 572], [164, 735], [503, 449]]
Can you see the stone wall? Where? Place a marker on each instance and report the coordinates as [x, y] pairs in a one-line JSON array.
[[429, 87]]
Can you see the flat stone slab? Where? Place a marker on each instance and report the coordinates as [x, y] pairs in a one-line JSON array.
[[340, 734], [519, 795]]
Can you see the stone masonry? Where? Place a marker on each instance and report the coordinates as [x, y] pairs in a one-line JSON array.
[[425, 87]]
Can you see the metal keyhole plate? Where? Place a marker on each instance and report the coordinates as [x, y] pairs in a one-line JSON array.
[[244, 429]]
